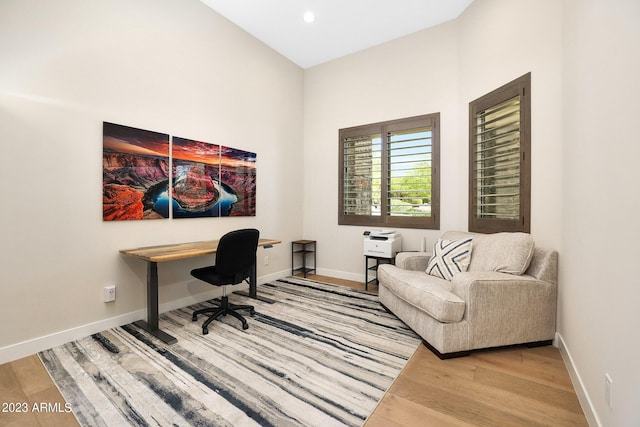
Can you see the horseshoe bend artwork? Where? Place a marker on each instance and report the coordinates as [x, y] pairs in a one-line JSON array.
[[212, 180], [204, 180]]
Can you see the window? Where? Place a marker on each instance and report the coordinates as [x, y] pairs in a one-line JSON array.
[[389, 173], [500, 160]]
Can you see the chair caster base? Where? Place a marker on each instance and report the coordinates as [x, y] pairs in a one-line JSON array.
[[222, 310]]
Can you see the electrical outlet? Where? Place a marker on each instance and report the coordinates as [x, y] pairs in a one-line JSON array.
[[608, 385], [109, 293], [266, 260]]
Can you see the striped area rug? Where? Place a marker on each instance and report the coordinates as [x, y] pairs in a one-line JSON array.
[[322, 355]]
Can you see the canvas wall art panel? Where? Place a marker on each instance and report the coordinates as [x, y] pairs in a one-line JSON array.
[[135, 173], [210, 180], [238, 172], [196, 189]]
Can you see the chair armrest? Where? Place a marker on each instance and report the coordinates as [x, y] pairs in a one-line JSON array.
[[416, 261]]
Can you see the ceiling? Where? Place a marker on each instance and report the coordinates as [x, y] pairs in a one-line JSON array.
[[341, 27]]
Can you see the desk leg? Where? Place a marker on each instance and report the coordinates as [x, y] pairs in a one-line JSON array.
[[253, 280], [152, 323], [253, 286]]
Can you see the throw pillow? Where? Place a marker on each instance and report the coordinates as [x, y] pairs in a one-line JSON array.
[[449, 258]]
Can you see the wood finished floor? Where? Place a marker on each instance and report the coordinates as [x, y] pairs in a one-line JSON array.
[[510, 387], [517, 386], [25, 381]]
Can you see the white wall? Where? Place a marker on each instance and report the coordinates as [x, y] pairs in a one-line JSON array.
[[600, 285], [500, 41], [440, 69], [407, 77], [175, 66], [584, 59], [170, 66]]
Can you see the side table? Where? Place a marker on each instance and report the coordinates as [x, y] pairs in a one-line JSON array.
[[302, 248], [374, 268]]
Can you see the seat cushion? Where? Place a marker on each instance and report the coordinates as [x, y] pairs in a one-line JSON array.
[[504, 252], [212, 276], [427, 293]]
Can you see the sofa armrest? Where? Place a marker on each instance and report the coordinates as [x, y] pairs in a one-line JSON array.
[[498, 288], [416, 261], [505, 308]]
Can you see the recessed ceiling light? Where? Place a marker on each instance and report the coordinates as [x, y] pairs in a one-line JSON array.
[[309, 16]]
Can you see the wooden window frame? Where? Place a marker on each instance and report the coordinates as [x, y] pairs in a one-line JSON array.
[[519, 87], [384, 219]]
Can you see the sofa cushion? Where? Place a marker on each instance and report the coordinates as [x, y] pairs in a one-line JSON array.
[[504, 252], [449, 258], [426, 293]]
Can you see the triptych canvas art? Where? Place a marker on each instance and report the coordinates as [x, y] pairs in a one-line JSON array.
[[150, 175]]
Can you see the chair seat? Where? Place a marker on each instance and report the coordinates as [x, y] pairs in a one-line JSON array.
[[213, 277]]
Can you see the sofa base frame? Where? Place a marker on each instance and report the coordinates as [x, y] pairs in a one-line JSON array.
[[445, 356], [456, 354]]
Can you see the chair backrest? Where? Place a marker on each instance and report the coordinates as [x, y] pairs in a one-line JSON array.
[[236, 253]]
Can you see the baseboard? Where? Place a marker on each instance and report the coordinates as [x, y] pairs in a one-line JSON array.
[[341, 274], [35, 345], [273, 276], [578, 385]]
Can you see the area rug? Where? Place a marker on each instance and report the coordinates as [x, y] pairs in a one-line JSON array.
[[322, 355]]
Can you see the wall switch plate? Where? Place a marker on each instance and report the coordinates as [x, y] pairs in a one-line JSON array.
[[109, 293], [266, 260]]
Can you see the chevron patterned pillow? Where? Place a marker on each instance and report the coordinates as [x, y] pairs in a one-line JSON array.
[[449, 258]]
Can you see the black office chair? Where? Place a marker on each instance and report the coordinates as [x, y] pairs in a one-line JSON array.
[[235, 259]]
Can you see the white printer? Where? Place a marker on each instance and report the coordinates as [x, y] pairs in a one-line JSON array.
[[382, 243]]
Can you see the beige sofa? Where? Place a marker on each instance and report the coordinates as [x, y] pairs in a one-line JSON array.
[[506, 296]]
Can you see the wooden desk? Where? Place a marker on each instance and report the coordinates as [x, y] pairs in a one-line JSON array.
[[155, 254]]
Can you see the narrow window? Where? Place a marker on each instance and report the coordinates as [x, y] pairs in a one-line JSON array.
[[388, 173], [500, 160]]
